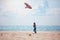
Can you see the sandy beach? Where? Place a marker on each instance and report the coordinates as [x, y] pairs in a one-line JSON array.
[[27, 35]]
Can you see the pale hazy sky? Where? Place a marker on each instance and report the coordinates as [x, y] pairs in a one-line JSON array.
[[43, 12]]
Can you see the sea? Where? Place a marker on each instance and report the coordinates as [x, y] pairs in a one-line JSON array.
[[29, 28]]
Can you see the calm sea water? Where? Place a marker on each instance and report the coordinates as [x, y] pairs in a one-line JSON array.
[[29, 28]]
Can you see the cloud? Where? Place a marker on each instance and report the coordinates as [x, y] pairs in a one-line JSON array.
[[54, 3], [53, 11], [41, 8], [52, 7]]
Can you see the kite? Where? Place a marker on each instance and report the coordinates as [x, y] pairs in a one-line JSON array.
[[28, 6]]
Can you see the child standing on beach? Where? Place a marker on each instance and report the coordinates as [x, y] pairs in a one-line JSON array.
[[34, 26]]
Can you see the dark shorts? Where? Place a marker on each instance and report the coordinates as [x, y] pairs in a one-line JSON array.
[[34, 30]]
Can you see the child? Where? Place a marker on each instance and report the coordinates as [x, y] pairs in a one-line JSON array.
[[34, 26]]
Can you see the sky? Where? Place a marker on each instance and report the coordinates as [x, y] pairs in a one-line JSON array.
[[43, 12]]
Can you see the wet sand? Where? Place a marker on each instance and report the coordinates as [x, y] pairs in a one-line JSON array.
[[27, 35]]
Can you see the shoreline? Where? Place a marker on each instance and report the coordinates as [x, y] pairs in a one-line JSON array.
[[29, 31]]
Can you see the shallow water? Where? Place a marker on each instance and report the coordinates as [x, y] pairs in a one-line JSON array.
[[29, 28]]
